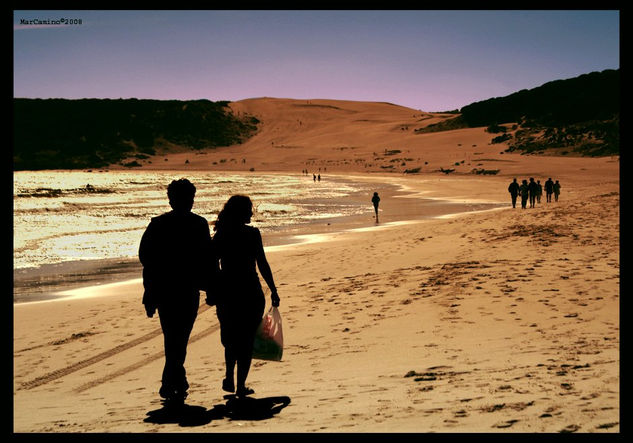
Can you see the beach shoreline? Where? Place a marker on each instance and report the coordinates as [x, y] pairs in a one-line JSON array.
[[52, 281], [509, 319], [503, 321]]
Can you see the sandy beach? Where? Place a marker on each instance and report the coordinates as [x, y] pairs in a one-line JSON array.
[[488, 322]]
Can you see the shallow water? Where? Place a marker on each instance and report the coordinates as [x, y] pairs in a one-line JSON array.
[[65, 216], [79, 228]]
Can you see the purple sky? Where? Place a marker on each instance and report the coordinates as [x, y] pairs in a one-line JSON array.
[[430, 60]]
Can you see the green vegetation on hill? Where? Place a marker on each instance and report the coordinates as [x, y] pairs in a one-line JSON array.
[[581, 114], [70, 134], [594, 96]]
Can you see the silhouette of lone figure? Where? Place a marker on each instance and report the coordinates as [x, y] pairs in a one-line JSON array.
[[240, 299], [173, 252], [375, 200]]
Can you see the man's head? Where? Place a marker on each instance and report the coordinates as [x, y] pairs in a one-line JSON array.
[[181, 193]]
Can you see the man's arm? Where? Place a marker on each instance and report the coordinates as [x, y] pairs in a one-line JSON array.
[[146, 250], [146, 254]]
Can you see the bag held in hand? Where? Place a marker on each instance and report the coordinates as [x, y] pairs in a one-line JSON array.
[[269, 339]]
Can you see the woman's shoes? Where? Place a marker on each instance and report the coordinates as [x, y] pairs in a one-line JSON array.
[[228, 386], [244, 391]]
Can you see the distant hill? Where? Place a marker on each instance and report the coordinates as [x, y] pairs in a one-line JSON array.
[[69, 134], [580, 113], [594, 96]]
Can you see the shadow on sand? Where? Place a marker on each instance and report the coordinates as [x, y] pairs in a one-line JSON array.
[[247, 408]]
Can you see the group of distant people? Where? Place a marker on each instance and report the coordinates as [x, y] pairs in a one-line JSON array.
[[315, 177], [532, 191], [180, 258]]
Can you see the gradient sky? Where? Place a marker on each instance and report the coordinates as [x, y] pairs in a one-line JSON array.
[[430, 60]]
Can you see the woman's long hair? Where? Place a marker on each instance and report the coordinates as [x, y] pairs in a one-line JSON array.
[[236, 211]]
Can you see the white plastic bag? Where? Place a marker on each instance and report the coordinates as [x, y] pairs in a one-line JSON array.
[[269, 339]]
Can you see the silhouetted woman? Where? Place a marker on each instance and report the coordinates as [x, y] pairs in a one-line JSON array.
[[240, 301]]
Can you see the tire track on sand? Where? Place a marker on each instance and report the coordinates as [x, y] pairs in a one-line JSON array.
[[59, 373], [149, 359]]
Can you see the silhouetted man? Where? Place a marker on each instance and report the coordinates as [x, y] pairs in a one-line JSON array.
[[513, 189], [175, 251], [549, 189], [556, 188], [524, 189], [533, 187]]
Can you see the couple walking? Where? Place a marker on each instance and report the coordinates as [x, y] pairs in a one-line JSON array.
[[180, 258]]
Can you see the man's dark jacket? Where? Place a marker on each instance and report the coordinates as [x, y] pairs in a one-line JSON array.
[[177, 257]]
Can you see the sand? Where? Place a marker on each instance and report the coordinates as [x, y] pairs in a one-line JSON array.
[[487, 322]]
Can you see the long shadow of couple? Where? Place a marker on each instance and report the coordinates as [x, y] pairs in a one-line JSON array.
[[246, 408]]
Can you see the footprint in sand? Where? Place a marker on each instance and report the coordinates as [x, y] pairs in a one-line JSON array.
[[607, 425], [505, 424], [493, 408], [569, 429]]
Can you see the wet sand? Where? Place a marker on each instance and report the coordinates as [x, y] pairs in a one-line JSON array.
[[505, 321], [399, 205], [501, 321]]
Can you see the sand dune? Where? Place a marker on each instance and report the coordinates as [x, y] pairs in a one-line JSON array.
[[500, 321], [337, 136]]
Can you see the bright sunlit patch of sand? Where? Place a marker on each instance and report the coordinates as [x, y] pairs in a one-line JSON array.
[[457, 214], [108, 289]]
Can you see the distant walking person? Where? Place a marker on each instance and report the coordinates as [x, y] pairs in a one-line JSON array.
[[556, 190], [549, 189], [524, 190], [533, 189], [240, 301], [513, 189], [539, 191], [173, 251], [375, 201]]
